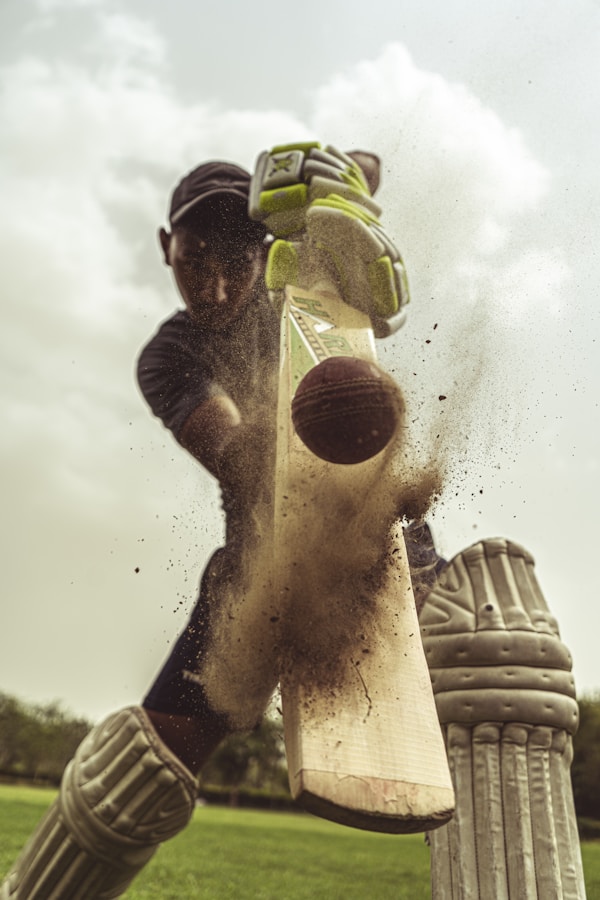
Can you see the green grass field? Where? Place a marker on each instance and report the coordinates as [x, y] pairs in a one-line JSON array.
[[242, 854]]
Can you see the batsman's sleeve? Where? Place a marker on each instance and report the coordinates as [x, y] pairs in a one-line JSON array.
[[172, 380]]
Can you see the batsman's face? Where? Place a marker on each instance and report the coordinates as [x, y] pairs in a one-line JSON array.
[[214, 272]]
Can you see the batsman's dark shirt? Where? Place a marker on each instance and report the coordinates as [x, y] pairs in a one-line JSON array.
[[184, 365]]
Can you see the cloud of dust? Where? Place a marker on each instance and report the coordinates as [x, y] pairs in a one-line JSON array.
[[459, 192], [305, 597]]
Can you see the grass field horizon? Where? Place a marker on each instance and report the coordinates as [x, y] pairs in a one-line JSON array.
[[232, 853]]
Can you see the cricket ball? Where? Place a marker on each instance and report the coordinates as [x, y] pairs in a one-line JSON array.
[[346, 410]]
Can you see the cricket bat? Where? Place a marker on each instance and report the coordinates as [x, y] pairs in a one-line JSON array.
[[363, 743]]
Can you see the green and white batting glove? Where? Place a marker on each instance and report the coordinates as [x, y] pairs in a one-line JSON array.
[[288, 178], [310, 197]]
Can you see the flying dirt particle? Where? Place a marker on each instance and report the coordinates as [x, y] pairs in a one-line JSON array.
[[137, 569], [442, 397]]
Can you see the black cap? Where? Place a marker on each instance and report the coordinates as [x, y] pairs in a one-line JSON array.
[[208, 180]]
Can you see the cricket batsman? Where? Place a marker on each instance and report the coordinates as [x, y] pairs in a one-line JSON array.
[[209, 375]]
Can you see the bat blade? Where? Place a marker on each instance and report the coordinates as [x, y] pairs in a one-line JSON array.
[[363, 742]]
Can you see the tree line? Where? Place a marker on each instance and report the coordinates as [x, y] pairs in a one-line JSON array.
[[37, 741], [585, 770]]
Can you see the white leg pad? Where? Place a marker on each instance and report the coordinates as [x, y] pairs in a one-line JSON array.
[[121, 796]]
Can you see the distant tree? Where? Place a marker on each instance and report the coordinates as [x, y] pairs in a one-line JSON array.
[[585, 771], [12, 724], [57, 737], [255, 760], [37, 741]]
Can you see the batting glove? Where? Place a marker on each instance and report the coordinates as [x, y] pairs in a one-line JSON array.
[[320, 199]]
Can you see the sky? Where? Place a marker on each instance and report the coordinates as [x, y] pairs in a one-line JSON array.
[[485, 117]]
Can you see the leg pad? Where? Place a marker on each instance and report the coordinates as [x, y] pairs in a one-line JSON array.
[[122, 795]]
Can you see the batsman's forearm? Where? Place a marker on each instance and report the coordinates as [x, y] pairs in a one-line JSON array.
[[208, 431]]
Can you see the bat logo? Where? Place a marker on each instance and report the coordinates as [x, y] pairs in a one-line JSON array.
[[317, 330]]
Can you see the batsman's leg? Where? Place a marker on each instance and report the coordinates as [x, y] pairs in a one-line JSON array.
[[121, 796], [506, 700], [130, 785]]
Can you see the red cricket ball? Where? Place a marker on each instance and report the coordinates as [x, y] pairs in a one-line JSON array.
[[346, 409]]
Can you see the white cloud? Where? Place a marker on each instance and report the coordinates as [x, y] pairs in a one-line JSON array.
[[455, 176], [50, 6], [133, 41]]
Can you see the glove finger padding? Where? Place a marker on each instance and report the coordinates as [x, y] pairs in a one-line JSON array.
[[289, 177]]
